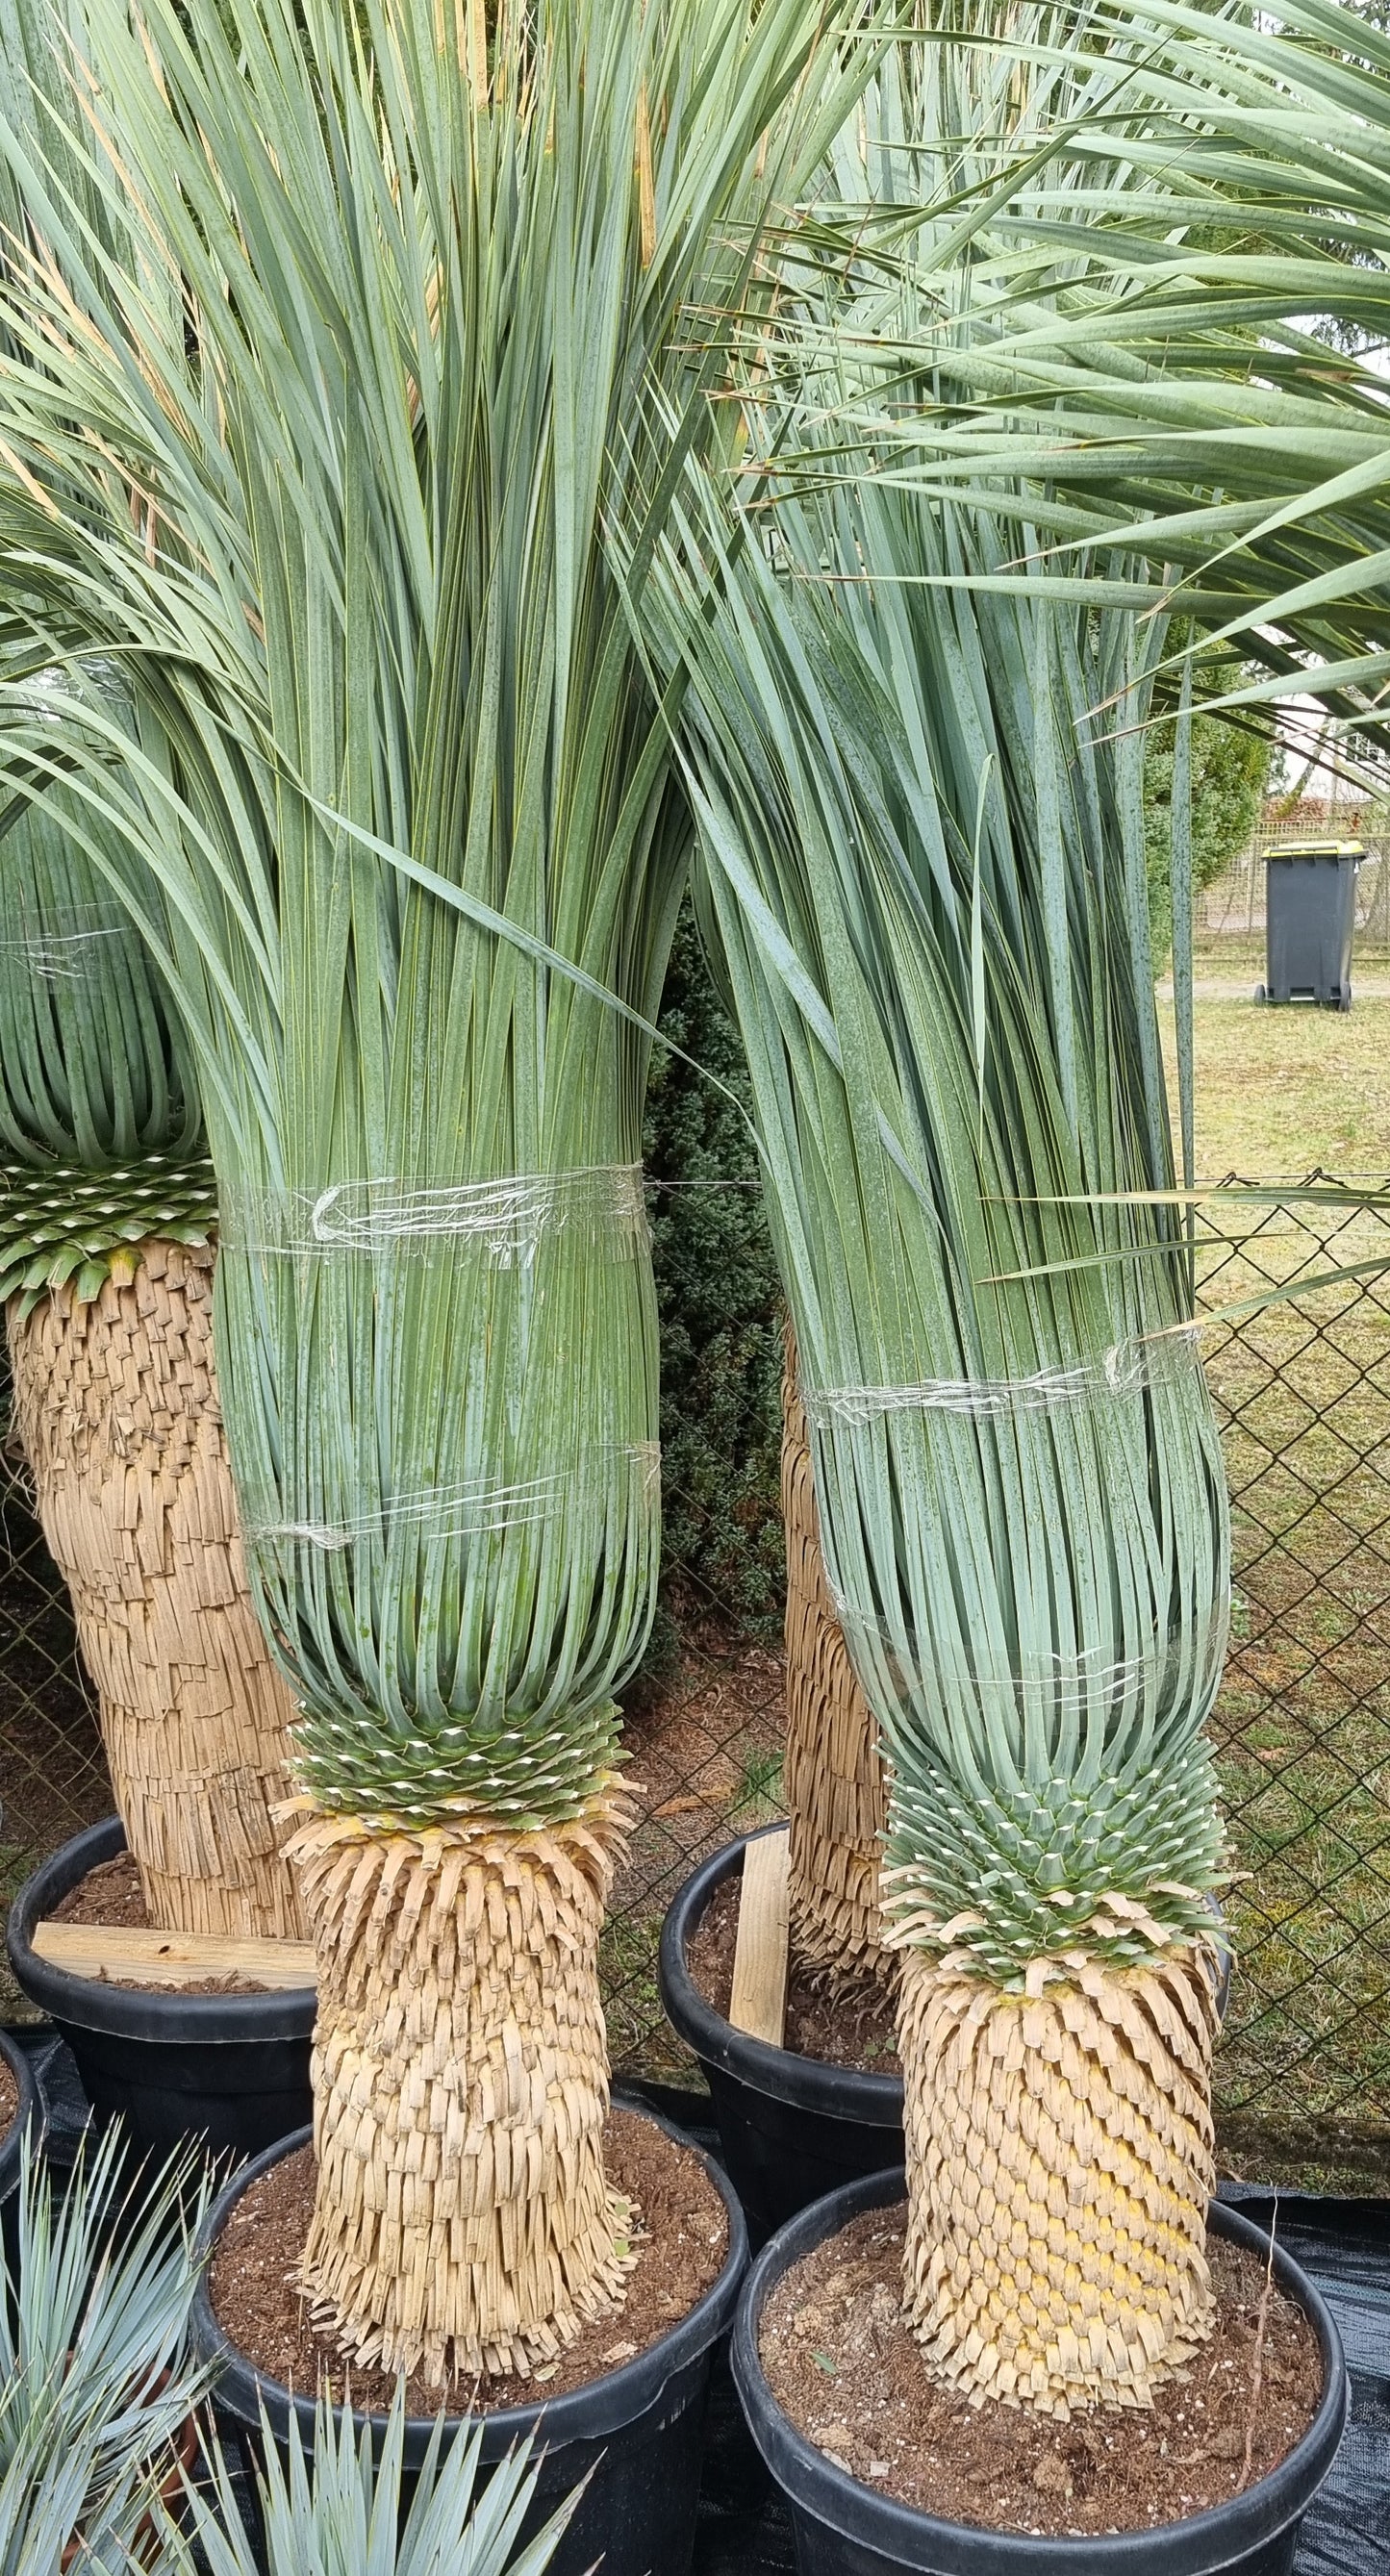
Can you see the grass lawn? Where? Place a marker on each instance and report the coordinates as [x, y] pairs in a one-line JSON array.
[[1288, 1091]]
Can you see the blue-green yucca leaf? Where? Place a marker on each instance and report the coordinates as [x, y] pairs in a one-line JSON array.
[[1022, 1501], [1169, 334], [95, 2375], [335, 2505]]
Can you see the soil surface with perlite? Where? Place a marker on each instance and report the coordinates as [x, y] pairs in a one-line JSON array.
[[111, 1894], [681, 2239], [845, 2368], [858, 2031]]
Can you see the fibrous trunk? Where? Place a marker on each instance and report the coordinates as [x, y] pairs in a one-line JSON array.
[[462, 2222], [835, 1790], [1059, 2160], [116, 1405]]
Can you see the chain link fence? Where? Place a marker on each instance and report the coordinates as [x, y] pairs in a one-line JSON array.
[[1302, 1725], [1303, 1722]]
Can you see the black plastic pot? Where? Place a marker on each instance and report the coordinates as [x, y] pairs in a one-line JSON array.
[[792, 2128], [11, 2139], [636, 2434], [231, 2069], [844, 2528]]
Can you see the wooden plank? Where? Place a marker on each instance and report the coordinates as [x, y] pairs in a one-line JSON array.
[[758, 2003], [171, 1958]]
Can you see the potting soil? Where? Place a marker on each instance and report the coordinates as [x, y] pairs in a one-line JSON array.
[[680, 2250], [840, 2030]]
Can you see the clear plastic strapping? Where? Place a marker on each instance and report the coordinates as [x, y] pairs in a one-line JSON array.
[[1127, 1368], [507, 1218], [475, 1508], [66, 948], [1041, 1697]]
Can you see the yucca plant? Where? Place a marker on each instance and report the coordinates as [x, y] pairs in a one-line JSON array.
[[927, 876], [107, 1211], [917, 754], [107, 1208], [339, 2511], [96, 2385], [423, 313], [923, 862]]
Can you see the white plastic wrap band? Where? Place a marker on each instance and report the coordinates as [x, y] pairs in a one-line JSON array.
[[1127, 1368], [507, 1217], [1069, 1682], [65, 952], [475, 1509]]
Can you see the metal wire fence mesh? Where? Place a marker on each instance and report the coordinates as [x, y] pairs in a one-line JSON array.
[[1303, 1721], [1302, 1725]]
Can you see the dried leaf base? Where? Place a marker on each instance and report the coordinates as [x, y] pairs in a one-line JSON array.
[[116, 1406], [835, 1791], [462, 2222], [1059, 2165]]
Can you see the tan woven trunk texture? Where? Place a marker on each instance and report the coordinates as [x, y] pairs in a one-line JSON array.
[[835, 1791], [1059, 2162], [116, 1406], [463, 2222]]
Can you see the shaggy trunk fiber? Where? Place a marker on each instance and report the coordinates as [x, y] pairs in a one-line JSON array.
[[835, 1791], [1059, 2161], [462, 2222], [116, 1406]]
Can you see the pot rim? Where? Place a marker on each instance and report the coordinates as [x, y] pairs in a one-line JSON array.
[[141, 2012], [627, 2391], [808, 2083], [1198, 2544]]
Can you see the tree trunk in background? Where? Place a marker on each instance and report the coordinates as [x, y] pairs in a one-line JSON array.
[[1059, 2166], [463, 2222], [116, 1405], [835, 1792]]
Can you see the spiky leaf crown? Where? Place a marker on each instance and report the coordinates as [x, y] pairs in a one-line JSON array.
[[1118, 1871], [524, 1776], [67, 1226]]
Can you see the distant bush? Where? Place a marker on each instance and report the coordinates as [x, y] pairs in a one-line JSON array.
[[719, 1300]]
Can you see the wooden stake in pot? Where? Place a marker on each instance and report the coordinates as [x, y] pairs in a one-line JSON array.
[[116, 1406], [1059, 2166], [836, 1798], [462, 2222]]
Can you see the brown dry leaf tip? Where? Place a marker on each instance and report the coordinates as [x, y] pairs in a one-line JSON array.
[[462, 2223], [834, 1778], [115, 1401], [1059, 2162]]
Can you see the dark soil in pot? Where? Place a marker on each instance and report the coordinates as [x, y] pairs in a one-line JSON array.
[[228, 2066], [883, 2468], [625, 2407], [857, 2032], [792, 2126]]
